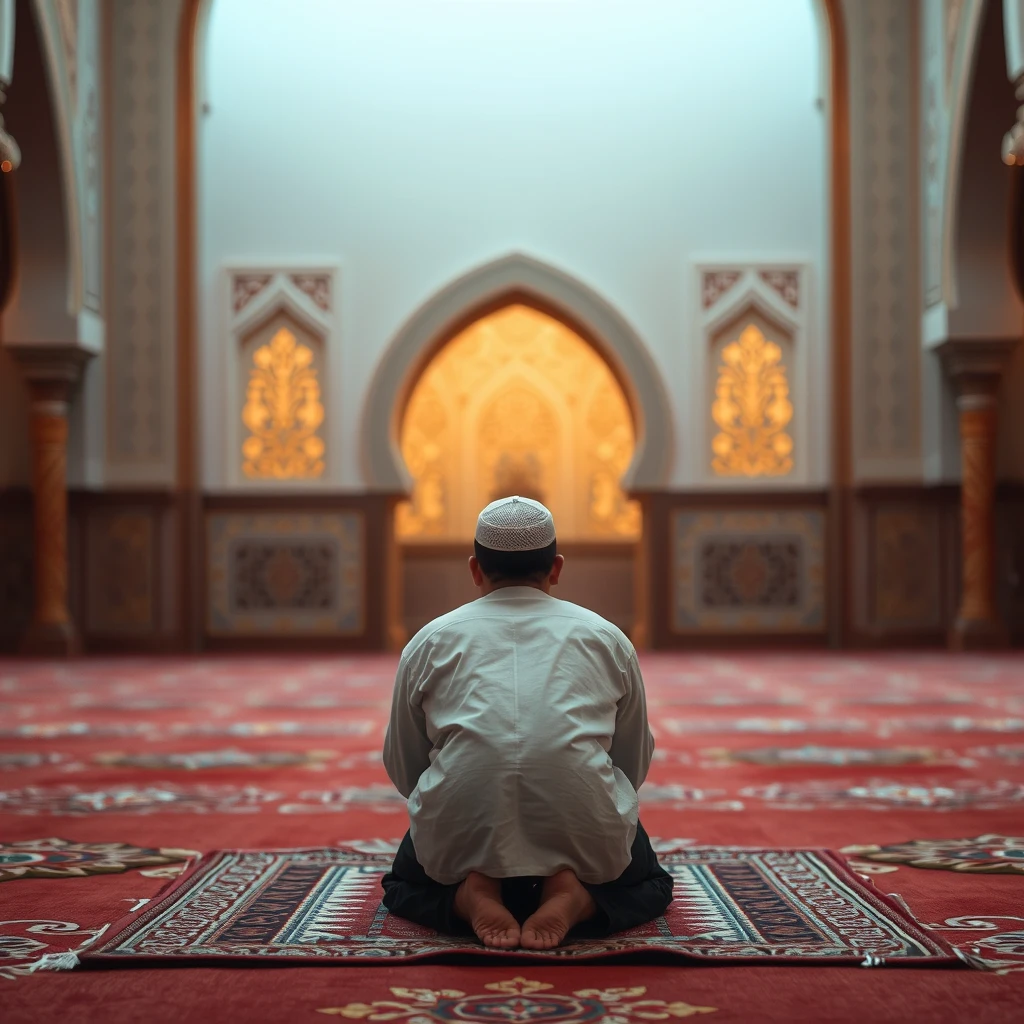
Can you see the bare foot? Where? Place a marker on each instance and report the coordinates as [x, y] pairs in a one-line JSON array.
[[563, 903], [478, 901]]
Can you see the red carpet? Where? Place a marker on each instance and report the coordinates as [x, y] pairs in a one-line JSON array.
[[762, 750]]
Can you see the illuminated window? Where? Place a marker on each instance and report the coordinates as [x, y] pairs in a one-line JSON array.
[[283, 412], [518, 403], [752, 409]]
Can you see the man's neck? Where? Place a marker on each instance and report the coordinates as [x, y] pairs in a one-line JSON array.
[[487, 587]]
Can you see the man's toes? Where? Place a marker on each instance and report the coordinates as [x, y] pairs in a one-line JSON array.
[[536, 939], [505, 939]]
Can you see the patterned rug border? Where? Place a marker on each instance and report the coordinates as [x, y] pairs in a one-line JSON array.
[[104, 954]]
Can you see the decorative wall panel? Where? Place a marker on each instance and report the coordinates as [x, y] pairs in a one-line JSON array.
[[518, 403], [885, 307], [88, 145], [283, 411], [755, 403], [275, 430], [141, 321], [748, 571], [121, 571], [286, 574], [907, 567], [751, 408], [935, 126]]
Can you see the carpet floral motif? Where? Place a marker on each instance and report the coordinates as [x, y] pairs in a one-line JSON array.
[[62, 858], [227, 758], [798, 757], [1001, 952], [519, 1001], [128, 799], [989, 854], [33, 938], [886, 794]]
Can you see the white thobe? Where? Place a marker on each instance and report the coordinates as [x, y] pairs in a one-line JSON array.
[[519, 735]]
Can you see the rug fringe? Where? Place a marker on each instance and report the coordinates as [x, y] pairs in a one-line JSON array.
[[66, 961], [906, 906]]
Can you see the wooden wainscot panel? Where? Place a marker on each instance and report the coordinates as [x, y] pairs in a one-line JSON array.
[[1010, 557], [737, 569], [296, 572], [15, 566], [598, 575], [905, 564], [123, 576]]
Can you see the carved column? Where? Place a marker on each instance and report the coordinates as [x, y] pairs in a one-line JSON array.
[[52, 371], [976, 369]]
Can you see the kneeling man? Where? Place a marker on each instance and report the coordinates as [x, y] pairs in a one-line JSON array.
[[519, 735]]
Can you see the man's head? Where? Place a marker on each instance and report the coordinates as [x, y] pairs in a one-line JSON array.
[[515, 546]]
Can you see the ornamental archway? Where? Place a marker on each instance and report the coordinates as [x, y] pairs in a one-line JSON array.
[[517, 394], [517, 402]]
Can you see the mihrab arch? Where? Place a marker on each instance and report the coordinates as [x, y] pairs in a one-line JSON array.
[[515, 278]]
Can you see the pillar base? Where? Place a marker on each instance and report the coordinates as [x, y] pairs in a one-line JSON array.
[[978, 635], [51, 640]]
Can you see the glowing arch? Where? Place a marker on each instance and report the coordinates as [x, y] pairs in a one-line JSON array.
[[497, 284], [518, 403]]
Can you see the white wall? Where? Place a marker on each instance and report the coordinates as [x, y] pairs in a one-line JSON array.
[[412, 140]]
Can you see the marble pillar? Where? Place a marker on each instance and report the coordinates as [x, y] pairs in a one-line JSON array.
[[52, 372], [975, 368]]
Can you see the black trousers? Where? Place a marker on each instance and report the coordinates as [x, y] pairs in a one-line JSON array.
[[640, 894]]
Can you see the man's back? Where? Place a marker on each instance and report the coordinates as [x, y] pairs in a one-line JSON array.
[[519, 732]]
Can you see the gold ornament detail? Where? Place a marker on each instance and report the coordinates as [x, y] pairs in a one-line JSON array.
[[518, 403], [752, 409], [518, 1000], [283, 413]]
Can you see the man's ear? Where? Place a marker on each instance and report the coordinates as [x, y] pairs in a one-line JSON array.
[[475, 571], [556, 570]]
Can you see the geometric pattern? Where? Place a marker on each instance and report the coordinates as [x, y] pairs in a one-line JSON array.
[[989, 854], [748, 571], [62, 858], [730, 904], [285, 574]]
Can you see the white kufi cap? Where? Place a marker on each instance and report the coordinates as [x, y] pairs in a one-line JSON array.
[[515, 524]]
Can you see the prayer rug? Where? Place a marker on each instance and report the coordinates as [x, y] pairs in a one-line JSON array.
[[310, 906]]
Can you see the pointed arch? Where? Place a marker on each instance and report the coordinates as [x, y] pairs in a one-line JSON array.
[[515, 278]]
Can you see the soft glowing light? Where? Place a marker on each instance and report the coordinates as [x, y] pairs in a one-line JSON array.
[[283, 413], [518, 404], [752, 409]]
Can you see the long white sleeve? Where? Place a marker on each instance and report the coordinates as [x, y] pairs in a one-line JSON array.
[[406, 744], [633, 745]]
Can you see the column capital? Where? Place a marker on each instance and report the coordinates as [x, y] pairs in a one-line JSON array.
[[52, 370], [975, 366]]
